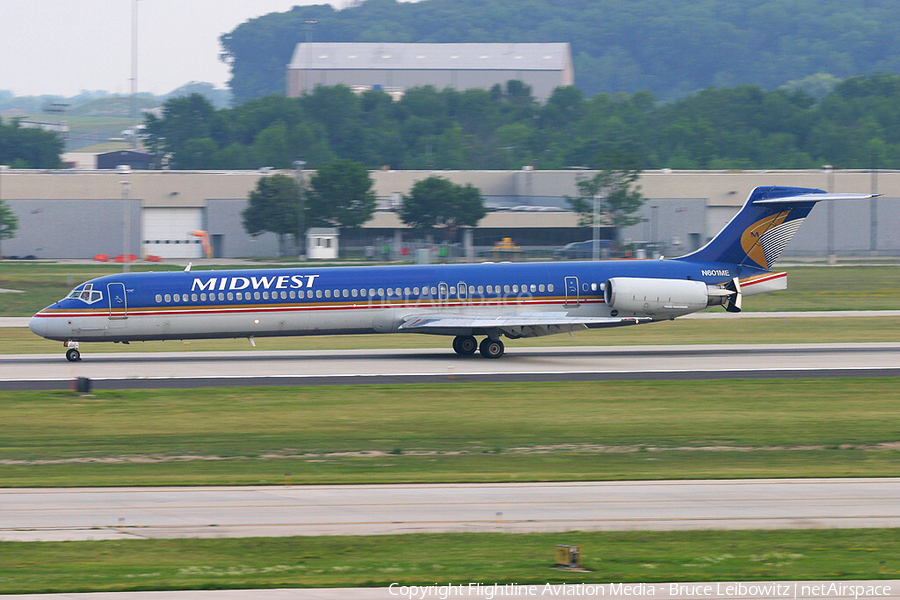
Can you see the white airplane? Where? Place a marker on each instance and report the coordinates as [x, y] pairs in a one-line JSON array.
[[464, 301]]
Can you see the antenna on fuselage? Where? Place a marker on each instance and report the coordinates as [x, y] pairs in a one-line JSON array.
[[188, 267]]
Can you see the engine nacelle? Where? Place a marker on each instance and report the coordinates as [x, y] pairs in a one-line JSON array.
[[660, 297]]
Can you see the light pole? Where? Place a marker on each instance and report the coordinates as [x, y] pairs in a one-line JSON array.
[[125, 259], [301, 202], [2, 168], [829, 171], [134, 67]]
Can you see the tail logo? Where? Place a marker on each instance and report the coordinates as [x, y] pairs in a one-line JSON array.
[[764, 240]]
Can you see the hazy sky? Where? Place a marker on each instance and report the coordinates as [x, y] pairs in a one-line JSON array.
[[65, 46]]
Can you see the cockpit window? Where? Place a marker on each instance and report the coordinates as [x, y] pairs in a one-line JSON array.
[[86, 294]]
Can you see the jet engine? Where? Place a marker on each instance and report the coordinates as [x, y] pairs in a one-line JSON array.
[[667, 298]]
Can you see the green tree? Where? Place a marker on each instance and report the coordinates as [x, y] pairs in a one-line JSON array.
[[616, 200], [437, 203], [9, 223], [185, 119], [274, 206], [29, 148], [340, 195]]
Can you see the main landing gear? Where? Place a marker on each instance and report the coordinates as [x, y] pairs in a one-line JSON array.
[[465, 345]]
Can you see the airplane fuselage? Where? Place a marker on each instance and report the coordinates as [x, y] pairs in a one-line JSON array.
[[491, 299], [342, 300]]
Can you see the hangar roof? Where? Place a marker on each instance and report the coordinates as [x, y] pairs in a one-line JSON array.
[[352, 55]]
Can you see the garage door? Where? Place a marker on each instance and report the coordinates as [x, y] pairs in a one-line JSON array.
[[167, 232]]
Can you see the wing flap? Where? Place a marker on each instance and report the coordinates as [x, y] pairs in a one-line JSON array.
[[513, 326]]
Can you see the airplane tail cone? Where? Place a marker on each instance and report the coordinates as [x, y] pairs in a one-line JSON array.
[[736, 299]]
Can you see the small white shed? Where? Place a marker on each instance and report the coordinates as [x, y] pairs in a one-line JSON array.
[[322, 243]]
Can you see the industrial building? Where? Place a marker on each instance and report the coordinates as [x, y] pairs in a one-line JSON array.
[[395, 67], [83, 213]]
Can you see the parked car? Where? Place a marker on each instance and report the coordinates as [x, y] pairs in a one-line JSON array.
[[584, 249]]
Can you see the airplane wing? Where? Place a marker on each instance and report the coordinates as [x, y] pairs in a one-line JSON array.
[[514, 326]]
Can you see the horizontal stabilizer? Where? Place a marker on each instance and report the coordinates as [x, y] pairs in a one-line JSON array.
[[815, 198]]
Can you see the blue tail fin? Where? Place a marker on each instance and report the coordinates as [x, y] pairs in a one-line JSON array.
[[758, 233]]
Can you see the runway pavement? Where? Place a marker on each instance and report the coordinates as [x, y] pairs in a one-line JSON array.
[[216, 512], [726, 590], [209, 369]]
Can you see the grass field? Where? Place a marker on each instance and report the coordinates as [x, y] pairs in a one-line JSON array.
[[452, 432], [457, 559]]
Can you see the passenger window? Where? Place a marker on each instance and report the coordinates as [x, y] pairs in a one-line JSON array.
[[381, 292], [533, 288], [239, 296], [168, 298], [541, 287], [301, 294], [158, 298], [256, 296], [193, 297], [549, 287], [328, 293], [203, 297], [505, 289], [318, 293], [230, 296]]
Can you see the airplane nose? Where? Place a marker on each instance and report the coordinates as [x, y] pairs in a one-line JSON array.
[[38, 325]]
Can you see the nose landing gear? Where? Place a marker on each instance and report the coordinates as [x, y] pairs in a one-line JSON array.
[[72, 354]]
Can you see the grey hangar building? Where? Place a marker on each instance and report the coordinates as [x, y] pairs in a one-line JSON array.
[[78, 214], [395, 67]]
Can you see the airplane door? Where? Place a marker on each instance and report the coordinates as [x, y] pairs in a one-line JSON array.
[[118, 301], [572, 297]]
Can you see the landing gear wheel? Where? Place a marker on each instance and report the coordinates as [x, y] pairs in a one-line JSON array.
[[73, 355], [491, 348], [465, 345]]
